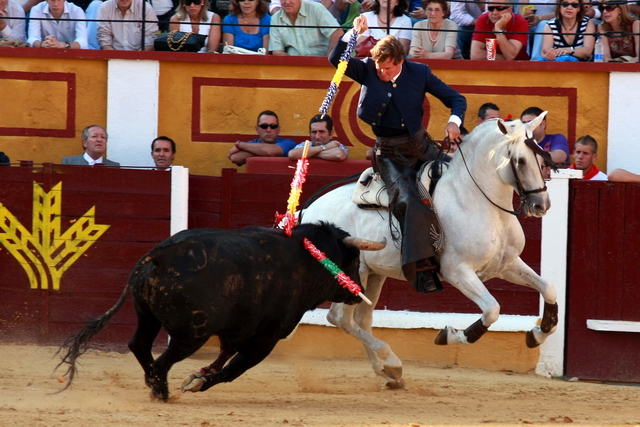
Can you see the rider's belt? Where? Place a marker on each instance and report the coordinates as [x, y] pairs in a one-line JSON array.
[[405, 145]]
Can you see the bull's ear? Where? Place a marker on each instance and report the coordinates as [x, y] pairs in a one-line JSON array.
[[502, 127]]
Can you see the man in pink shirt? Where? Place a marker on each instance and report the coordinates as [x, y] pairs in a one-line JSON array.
[[501, 23]]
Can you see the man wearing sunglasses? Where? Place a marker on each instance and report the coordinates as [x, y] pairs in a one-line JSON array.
[[510, 29], [268, 143]]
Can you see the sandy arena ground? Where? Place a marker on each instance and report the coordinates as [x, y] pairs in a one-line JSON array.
[[300, 391]]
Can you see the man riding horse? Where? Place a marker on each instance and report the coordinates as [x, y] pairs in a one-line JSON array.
[[391, 99]]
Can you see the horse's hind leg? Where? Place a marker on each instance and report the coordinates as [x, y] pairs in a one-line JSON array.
[[522, 274], [356, 320]]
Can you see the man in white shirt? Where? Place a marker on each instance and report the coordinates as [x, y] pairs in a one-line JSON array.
[[54, 33], [12, 28], [94, 141], [115, 32]]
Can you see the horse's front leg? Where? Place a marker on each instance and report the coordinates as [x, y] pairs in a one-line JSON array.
[[383, 360], [467, 282], [521, 274]]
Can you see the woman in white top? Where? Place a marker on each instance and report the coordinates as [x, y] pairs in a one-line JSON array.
[[190, 14], [435, 37], [400, 24]]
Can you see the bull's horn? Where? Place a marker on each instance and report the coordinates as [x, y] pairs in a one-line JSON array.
[[364, 244]]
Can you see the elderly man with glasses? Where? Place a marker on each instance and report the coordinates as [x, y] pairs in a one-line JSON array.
[[268, 143], [509, 29]]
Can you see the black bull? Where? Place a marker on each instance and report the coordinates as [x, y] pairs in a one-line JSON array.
[[249, 287]]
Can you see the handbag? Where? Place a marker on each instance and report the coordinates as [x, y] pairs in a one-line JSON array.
[[363, 48], [178, 41]]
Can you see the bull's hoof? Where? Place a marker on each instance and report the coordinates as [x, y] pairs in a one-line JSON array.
[[442, 337], [531, 340], [192, 383]]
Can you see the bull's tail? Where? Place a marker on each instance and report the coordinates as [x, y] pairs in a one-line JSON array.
[[76, 345]]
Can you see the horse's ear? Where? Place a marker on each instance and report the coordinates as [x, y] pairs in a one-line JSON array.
[[502, 127], [536, 122]]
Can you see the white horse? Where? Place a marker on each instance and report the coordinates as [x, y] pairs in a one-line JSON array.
[[482, 238]]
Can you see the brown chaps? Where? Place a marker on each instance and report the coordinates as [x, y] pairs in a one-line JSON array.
[[398, 160]]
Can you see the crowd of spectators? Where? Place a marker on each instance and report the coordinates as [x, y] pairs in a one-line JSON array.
[[541, 30]]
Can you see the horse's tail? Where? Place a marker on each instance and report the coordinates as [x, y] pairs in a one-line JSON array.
[[76, 345], [325, 189]]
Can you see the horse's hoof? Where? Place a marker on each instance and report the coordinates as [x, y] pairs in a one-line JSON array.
[[531, 340], [395, 384], [442, 337], [393, 372], [192, 383]]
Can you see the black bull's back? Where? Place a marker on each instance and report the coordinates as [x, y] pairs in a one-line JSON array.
[[250, 287], [229, 283]]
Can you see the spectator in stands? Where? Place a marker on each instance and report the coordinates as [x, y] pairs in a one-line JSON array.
[[455, 145], [509, 28], [240, 27], [165, 10], [53, 32], [192, 16], [323, 146], [568, 37], [163, 151], [94, 142], [268, 143], [12, 29], [623, 175], [537, 15], [466, 14], [92, 25], [120, 25], [556, 144], [303, 28], [623, 43], [400, 26], [4, 159], [428, 41], [488, 111], [584, 154]]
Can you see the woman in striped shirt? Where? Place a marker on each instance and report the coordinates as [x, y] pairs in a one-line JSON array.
[[568, 36]]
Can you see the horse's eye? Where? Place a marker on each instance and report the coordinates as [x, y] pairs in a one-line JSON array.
[[522, 162]]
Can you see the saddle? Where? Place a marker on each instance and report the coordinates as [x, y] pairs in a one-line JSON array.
[[371, 193]]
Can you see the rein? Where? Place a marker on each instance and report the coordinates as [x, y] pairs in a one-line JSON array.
[[531, 143]]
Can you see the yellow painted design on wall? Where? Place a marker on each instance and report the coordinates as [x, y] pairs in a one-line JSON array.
[[47, 252]]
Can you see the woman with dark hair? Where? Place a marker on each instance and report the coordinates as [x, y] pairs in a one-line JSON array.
[[436, 37], [189, 17], [399, 24], [247, 25], [620, 32], [568, 36]]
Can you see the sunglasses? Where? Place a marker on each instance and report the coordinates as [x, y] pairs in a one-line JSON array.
[[573, 5], [609, 8], [242, 1], [266, 126], [190, 2], [500, 8]]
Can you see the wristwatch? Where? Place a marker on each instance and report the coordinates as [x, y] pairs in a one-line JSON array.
[[67, 45], [573, 50], [497, 33], [324, 147]]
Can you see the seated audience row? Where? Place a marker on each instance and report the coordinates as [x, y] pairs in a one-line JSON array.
[[558, 31]]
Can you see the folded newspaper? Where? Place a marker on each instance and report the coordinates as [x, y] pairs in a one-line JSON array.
[[238, 50]]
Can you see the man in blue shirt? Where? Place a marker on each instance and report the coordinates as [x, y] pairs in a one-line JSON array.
[[268, 144]]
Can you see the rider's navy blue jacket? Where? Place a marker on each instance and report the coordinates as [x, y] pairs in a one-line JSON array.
[[399, 104]]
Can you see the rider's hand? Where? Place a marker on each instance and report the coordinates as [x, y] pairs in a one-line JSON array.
[[452, 131], [360, 24]]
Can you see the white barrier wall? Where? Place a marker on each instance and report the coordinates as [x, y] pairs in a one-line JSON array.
[[624, 127]]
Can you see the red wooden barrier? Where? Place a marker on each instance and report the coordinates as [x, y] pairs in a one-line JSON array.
[[603, 280]]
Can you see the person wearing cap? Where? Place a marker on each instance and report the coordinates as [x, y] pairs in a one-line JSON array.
[[508, 28], [268, 143]]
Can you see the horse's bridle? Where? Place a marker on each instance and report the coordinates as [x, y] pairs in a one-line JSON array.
[[522, 193]]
